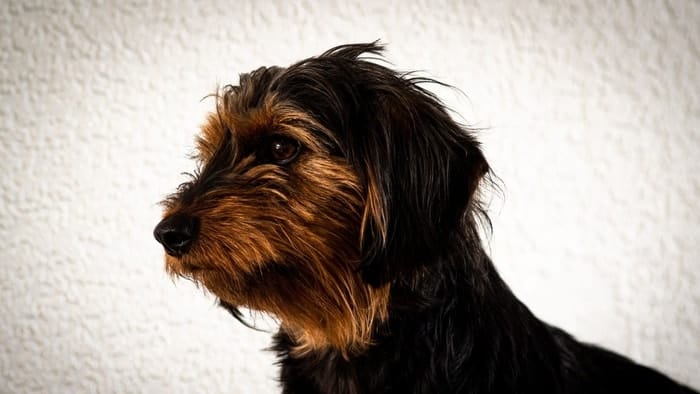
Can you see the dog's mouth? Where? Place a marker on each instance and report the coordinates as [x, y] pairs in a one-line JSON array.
[[193, 268], [185, 267]]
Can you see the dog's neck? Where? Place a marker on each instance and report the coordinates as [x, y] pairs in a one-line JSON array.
[[453, 312]]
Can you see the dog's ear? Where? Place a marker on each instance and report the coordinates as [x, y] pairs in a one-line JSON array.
[[421, 171], [419, 168]]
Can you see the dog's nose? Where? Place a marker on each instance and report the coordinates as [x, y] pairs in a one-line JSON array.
[[176, 233]]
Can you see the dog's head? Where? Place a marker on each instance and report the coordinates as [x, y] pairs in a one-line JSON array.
[[319, 186]]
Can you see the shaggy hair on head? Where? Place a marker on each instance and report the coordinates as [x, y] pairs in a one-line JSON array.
[[341, 197]]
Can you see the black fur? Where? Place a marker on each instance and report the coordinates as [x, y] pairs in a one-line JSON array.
[[454, 326]]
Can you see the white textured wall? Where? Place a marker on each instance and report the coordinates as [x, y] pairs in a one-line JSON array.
[[593, 110]]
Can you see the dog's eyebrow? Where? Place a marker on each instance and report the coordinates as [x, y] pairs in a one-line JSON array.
[[304, 127]]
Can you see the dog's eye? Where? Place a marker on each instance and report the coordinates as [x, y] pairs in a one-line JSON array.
[[283, 150]]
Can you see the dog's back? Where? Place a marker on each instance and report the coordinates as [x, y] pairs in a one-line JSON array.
[[608, 372]]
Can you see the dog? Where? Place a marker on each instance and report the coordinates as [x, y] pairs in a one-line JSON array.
[[340, 197]]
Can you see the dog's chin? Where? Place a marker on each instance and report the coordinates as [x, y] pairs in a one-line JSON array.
[[233, 287]]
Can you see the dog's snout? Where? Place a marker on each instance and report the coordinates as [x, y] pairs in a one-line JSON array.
[[177, 233]]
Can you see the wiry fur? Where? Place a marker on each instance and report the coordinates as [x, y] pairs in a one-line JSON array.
[[367, 247]]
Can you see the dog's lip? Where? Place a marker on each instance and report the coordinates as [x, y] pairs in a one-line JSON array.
[[189, 267]]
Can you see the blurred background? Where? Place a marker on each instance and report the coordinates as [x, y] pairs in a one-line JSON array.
[[591, 117]]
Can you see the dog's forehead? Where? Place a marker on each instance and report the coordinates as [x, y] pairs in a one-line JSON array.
[[230, 121], [252, 123], [272, 100]]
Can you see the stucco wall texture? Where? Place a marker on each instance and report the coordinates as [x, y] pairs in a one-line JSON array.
[[591, 111]]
